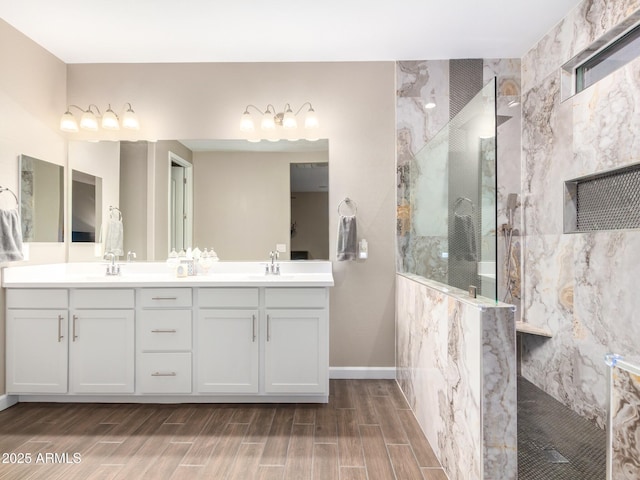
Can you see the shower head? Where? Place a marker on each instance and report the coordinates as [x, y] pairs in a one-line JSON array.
[[512, 201]]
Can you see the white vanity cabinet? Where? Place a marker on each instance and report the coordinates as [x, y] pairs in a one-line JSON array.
[[37, 341], [228, 340], [101, 344], [147, 336], [296, 356], [164, 340]]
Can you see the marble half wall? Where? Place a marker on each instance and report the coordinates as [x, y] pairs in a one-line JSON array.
[[456, 364]]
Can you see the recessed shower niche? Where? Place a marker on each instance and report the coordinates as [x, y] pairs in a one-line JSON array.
[[603, 201]]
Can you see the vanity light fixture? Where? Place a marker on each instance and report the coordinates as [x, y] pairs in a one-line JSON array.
[[89, 119], [275, 125]]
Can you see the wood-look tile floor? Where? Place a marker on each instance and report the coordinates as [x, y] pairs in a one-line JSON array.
[[365, 432]]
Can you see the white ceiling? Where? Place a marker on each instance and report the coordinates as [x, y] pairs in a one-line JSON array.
[[101, 31]]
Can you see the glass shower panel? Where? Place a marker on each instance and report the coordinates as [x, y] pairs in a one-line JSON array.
[[452, 201]]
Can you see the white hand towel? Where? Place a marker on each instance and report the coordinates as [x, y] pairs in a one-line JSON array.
[[347, 239], [10, 236], [114, 236]]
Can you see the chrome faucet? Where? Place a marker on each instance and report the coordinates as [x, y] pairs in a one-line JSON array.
[[275, 267], [113, 268]]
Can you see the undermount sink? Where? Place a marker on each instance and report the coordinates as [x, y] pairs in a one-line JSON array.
[[103, 277], [271, 277]]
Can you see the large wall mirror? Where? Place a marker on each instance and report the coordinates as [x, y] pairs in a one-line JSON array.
[[41, 200], [240, 198], [243, 198]]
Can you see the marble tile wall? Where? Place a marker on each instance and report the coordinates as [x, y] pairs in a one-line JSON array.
[[580, 286], [624, 456], [456, 366]]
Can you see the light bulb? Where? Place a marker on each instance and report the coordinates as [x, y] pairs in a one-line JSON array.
[[246, 122], [68, 122], [130, 119], [311, 119], [289, 119], [88, 121], [268, 123], [110, 120]]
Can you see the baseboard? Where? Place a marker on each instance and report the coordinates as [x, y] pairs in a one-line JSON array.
[[7, 401], [376, 373]]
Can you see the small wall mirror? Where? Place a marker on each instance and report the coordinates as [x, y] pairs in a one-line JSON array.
[[41, 200], [86, 211]]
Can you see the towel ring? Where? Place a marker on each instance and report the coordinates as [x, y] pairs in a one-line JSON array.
[[7, 189], [459, 202], [117, 210], [350, 203]]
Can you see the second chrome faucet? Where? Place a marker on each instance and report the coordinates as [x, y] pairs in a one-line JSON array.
[[273, 268]]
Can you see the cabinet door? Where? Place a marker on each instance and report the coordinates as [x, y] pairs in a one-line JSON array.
[[228, 351], [296, 351], [37, 351], [102, 351]]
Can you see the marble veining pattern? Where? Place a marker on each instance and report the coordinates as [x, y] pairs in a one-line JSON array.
[[581, 287], [456, 366], [625, 425]]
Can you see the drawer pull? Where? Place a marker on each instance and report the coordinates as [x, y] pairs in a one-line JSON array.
[[75, 318], [164, 298], [158, 330], [166, 374], [60, 336], [268, 329]]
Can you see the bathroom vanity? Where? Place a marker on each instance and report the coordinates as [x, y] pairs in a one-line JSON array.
[[235, 334]]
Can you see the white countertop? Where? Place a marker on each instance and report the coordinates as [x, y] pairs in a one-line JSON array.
[[159, 274]]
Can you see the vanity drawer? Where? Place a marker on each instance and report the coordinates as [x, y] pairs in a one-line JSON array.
[[295, 297], [228, 297], [165, 373], [165, 297], [37, 298], [166, 330], [102, 298]]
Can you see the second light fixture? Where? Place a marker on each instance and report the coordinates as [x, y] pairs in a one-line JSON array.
[[271, 121]]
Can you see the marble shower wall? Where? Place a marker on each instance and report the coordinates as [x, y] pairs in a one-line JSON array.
[[624, 453], [581, 287], [456, 365], [417, 82]]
